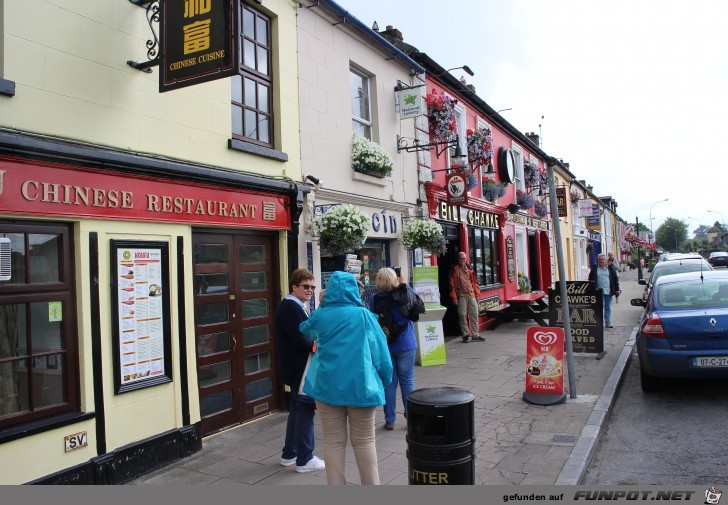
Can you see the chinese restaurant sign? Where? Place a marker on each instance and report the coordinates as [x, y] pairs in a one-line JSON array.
[[44, 190], [198, 42]]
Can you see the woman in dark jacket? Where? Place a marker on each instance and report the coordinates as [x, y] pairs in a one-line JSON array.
[[402, 350]]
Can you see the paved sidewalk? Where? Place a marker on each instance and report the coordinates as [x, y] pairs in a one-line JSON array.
[[516, 442]]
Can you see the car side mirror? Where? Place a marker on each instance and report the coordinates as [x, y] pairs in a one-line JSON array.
[[638, 302], [642, 282]]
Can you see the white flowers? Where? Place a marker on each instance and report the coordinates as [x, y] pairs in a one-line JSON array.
[[368, 155], [342, 228], [424, 234]]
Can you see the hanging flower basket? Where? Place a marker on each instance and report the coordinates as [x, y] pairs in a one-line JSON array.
[[470, 179], [480, 146], [524, 284], [574, 196], [524, 199], [341, 229], [368, 157], [424, 234], [540, 208], [441, 115], [492, 190]]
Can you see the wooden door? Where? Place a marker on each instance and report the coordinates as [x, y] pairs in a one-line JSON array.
[[235, 283]]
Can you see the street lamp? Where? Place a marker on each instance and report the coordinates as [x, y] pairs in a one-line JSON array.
[[652, 230], [677, 249], [722, 222]]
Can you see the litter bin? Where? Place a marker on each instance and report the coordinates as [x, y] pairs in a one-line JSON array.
[[441, 436]]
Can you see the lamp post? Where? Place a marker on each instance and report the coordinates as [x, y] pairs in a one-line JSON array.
[[652, 230], [722, 222], [640, 275], [694, 240]]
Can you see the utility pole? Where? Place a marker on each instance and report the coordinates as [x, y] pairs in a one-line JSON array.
[[640, 275]]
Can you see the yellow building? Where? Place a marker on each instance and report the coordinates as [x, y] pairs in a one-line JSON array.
[[145, 234]]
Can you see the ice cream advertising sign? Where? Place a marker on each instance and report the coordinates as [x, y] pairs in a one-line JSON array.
[[544, 361]]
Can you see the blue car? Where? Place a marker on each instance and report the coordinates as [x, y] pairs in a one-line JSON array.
[[683, 332]]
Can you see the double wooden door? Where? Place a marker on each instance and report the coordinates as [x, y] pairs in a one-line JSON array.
[[236, 291]]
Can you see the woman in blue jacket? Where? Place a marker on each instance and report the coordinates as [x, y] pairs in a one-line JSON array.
[[402, 350], [347, 376]]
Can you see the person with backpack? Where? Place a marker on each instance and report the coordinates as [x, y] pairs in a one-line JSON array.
[[396, 306]]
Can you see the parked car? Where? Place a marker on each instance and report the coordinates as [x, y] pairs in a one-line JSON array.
[[718, 259], [677, 256], [674, 266], [683, 332]]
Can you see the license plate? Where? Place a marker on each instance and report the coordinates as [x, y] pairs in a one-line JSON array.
[[711, 362]]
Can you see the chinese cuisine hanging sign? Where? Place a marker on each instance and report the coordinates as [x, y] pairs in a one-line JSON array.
[[545, 360]]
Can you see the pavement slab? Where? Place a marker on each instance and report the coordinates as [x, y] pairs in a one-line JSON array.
[[515, 442]]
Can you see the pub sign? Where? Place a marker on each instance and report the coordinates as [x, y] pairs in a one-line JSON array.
[[198, 42], [586, 315], [561, 201]]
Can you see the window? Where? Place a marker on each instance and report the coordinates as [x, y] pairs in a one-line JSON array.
[[361, 114], [521, 252], [484, 252], [483, 169], [252, 115], [38, 375], [518, 167], [461, 131]]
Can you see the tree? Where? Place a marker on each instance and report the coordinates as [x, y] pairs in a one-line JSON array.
[[671, 234], [701, 231]]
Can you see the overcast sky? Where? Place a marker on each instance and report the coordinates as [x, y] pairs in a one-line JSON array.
[[633, 93]]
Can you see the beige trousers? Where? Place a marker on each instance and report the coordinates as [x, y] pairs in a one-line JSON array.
[[361, 428], [468, 309]]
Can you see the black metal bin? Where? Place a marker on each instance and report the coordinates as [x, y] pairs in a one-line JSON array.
[[441, 436]]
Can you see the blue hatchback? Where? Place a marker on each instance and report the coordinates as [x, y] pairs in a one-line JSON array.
[[683, 332]]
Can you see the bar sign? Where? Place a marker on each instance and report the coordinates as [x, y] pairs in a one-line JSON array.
[[76, 441]]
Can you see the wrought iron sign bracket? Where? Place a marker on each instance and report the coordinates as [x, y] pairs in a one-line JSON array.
[[401, 86], [152, 8], [439, 147]]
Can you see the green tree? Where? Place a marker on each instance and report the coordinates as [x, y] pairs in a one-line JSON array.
[[671, 234]]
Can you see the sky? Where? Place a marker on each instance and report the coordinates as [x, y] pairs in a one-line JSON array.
[[633, 94]]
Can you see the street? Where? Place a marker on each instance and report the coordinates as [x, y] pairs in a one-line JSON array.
[[674, 436]]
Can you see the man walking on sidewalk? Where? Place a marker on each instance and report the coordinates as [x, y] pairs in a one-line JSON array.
[[464, 293]]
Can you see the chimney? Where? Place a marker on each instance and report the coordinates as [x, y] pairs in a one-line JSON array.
[[590, 188], [533, 138], [471, 87], [393, 33]]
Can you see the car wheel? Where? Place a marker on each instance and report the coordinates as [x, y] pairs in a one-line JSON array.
[[648, 382]]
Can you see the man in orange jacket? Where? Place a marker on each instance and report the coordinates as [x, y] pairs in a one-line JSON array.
[[464, 293]]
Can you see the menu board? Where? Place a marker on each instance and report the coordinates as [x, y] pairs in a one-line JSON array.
[[142, 314]]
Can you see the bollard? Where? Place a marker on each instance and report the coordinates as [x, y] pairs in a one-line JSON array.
[[441, 436]]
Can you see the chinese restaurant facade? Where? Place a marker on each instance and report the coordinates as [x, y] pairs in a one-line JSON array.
[[137, 311]]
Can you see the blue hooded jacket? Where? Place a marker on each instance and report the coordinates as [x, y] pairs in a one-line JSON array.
[[351, 364]]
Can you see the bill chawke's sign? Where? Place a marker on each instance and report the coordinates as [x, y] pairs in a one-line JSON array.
[[198, 41], [586, 315]]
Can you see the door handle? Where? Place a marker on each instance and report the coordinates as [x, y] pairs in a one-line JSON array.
[[235, 342]]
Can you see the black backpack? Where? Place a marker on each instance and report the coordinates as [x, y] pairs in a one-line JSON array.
[[383, 307]]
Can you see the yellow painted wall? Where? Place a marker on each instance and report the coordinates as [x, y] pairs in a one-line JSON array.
[[132, 416], [68, 62]]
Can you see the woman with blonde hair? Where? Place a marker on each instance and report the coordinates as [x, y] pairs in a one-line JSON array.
[[402, 347], [347, 376]]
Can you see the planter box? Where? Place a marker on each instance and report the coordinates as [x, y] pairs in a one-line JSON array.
[[369, 171]]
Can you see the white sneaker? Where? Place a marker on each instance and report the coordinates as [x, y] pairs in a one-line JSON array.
[[288, 462], [314, 465]]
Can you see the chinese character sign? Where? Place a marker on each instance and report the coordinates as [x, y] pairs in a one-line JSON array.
[[198, 42]]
